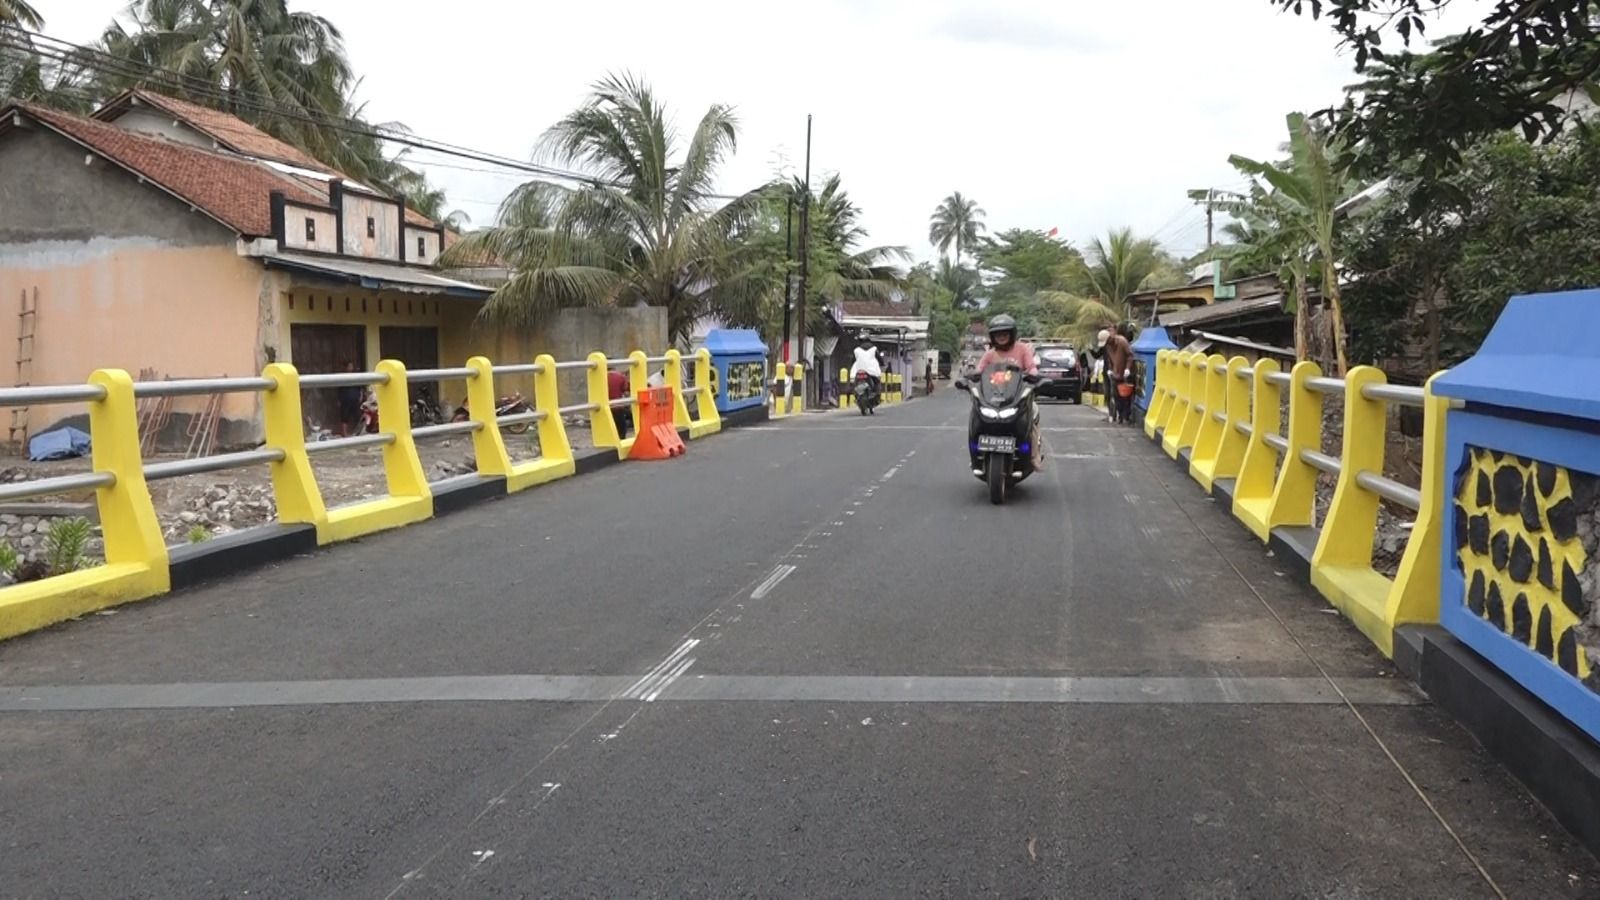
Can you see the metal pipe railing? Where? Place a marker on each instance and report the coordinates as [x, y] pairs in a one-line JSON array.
[[656, 360], [619, 363], [1276, 442], [573, 364], [1325, 385], [1281, 379], [61, 484], [518, 369], [189, 387], [51, 393], [432, 375], [180, 467], [349, 443], [691, 391], [1219, 417], [1402, 395], [343, 379], [519, 418], [620, 402], [1391, 490], [445, 428], [1247, 373], [1322, 461], [1245, 428], [577, 408]]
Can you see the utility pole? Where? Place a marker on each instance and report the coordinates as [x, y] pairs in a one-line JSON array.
[[1209, 194], [788, 276], [805, 256]]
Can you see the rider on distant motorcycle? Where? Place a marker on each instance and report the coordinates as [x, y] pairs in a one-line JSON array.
[[1004, 347], [867, 361]]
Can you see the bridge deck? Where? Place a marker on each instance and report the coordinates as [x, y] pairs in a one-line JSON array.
[[807, 659]]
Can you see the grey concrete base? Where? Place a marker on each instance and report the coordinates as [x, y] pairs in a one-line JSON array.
[[1184, 455], [1559, 764], [458, 493], [595, 460], [232, 553], [756, 415], [1294, 546], [1222, 489]]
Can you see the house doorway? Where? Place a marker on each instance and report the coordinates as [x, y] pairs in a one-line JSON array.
[[326, 348]]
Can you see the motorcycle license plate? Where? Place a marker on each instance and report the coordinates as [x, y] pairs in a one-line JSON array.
[[996, 443]]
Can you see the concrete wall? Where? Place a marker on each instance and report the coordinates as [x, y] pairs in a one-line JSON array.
[[428, 252], [385, 216], [324, 237], [126, 276], [569, 334], [145, 120]]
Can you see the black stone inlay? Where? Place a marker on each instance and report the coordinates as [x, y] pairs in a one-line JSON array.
[[1521, 560], [1485, 494], [1530, 508], [1572, 591], [1545, 474], [1507, 490], [1495, 608], [1478, 534], [1521, 619], [1547, 570], [1475, 593], [1567, 653], [1564, 519], [1500, 550], [1543, 641]]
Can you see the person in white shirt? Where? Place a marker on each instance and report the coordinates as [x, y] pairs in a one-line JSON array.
[[867, 361]]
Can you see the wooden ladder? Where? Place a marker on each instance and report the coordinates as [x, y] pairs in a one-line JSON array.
[[27, 323]]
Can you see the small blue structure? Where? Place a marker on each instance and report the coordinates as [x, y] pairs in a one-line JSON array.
[[1151, 341], [1522, 462], [740, 360]]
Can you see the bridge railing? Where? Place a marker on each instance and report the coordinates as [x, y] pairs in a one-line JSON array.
[[137, 560], [1225, 416]]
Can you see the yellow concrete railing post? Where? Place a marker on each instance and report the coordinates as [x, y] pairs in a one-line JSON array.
[[1208, 440], [488, 445], [1172, 417], [1258, 474], [402, 467], [1194, 417], [1294, 497], [707, 418], [1159, 391], [127, 515], [780, 390], [1346, 539], [1415, 594], [294, 484], [846, 395], [797, 399], [554, 446], [672, 374], [1230, 454], [602, 424]]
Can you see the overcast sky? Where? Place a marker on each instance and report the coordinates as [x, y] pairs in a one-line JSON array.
[[1078, 115]]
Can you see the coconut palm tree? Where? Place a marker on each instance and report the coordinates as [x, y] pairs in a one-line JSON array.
[[1083, 317], [647, 230], [1120, 265], [956, 220], [19, 13]]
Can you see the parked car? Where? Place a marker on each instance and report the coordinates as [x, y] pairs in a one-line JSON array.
[[1059, 363]]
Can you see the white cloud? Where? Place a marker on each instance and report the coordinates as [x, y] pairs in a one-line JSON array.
[[1076, 115]]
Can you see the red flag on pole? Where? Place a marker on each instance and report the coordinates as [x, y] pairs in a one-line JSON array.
[[1052, 232]]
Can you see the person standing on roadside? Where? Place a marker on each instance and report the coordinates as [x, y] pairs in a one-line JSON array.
[[616, 389], [1119, 369]]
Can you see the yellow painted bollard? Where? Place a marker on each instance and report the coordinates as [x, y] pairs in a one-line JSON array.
[[553, 443], [488, 446], [797, 398], [1258, 473], [294, 484], [1158, 394], [1208, 440], [1199, 369], [780, 390], [707, 419], [1172, 417], [602, 423], [673, 375], [1230, 454], [847, 397], [1415, 595], [555, 453], [1294, 497], [402, 467]]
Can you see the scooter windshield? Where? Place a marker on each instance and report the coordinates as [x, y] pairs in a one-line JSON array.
[[1000, 383]]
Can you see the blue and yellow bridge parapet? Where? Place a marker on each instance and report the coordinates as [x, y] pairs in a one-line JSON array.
[[1520, 574], [137, 561]]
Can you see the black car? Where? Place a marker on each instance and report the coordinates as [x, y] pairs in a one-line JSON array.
[[1059, 363]]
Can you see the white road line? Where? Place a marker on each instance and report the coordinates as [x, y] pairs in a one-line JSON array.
[[671, 677], [765, 587], [643, 684], [890, 474]]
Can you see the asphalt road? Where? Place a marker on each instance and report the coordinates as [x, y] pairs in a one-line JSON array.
[[807, 659]]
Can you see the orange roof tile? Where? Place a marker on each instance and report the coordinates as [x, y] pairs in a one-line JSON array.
[[235, 191], [232, 132]]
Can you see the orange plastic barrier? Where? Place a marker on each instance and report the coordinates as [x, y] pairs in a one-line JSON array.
[[658, 435]]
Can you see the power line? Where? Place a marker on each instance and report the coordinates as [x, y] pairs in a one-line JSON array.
[[98, 61]]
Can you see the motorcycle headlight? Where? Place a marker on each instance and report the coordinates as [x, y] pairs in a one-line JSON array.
[[988, 413], [1008, 413]]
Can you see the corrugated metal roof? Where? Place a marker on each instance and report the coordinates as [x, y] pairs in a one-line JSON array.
[[1222, 310], [376, 275]]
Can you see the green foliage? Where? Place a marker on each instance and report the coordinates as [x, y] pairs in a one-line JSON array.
[[957, 221], [1512, 70], [1026, 262], [198, 534], [9, 560], [1119, 265], [64, 544], [1423, 254]]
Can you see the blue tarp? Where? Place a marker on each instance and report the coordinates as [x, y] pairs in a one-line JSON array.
[[62, 443]]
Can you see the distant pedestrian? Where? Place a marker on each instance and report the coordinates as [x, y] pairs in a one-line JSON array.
[[927, 377], [1119, 370], [616, 389]]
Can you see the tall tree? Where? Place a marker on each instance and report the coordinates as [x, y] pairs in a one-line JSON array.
[[648, 230], [18, 12], [957, 221], [1119, 265], [1304, 197]]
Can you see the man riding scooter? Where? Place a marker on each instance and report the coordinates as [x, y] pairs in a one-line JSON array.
[[1004, 347], [866, 362]]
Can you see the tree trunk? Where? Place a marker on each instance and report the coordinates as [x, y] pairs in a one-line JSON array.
[[1330, 284], [1301, 317]]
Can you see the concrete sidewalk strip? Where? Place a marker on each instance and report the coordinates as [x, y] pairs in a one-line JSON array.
[[760, 688]]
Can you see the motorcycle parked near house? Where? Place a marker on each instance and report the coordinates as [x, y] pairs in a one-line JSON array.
[[509, 405]]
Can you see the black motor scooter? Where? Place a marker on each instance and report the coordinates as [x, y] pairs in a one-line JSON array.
[[1001, 429], [866, 395]]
